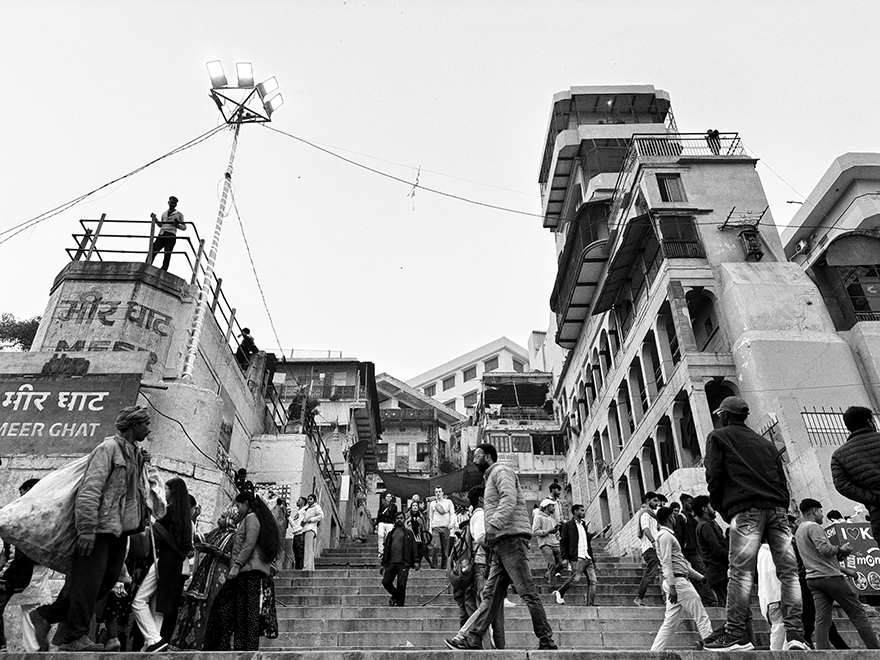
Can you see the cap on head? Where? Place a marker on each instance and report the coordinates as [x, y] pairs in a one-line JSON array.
[[733, 404], [173, 199], [547, 502]]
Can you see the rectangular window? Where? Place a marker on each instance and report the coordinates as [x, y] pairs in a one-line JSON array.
[[423, 452], [382, 452], [470, 373], [518, 366], [401, 456], [450, 404], [862, 285], [491, 364], [340, 378], [677, 228], [671, 189], [501, 442], [449, 382], [430, 390], [470, 399]]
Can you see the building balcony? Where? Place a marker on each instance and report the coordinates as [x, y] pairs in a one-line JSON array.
[[682, 249], [677, 147], [403, 414]]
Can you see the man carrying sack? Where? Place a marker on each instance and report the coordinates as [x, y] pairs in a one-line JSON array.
[[111, 504]]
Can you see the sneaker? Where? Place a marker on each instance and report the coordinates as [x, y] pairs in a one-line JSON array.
[[547, 645], [81, 645], [392, 602], [559, 599], [113, 645], [795, 642], [728, 642], [509, 603], [41, 630], [638, 601], [161, 645], [461, 644]]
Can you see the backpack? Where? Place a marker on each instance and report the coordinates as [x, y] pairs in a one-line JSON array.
[[460, 569]]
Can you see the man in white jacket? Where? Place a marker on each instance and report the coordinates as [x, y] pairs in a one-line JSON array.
[[312, 517], [441, 515]]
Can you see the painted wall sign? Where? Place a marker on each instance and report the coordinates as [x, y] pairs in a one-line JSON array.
[[865, 557], [46, 414]]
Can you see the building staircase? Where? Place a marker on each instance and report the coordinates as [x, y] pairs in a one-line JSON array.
[[342, 606]]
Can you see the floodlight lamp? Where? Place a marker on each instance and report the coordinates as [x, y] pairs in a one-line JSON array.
[[273, 103], [245, 73], [267, 87], [218, 77]]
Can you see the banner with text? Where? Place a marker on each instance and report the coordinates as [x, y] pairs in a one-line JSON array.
[[61, 414]]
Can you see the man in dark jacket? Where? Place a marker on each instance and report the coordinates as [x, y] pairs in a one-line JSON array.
[[385, 519], [398, 556], [577, 550], [747, 486], [687, 524], [855, 467]]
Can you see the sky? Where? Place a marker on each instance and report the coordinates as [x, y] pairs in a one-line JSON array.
[[456, 93]]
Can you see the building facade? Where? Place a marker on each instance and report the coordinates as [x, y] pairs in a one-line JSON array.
[[456, 384], [673, 291]]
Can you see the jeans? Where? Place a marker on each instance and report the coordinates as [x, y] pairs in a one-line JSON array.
[[586, 568], [479, 583], [554, 563], [826, 590], [299, 551], [651, 571], [401, 572], [748, 530], [510, 564], [89, 580], [809, 619], [440, 540], [688, 602], [164, 241]]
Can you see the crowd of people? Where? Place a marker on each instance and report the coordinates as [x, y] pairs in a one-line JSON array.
[[142, 576]]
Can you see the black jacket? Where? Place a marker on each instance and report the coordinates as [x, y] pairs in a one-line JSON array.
[[743, 470], [855, 467], [387, 514], [410, 556], [568, 541]]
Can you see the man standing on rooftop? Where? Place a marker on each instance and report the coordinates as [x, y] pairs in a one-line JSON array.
[[747, 486], [171, 221], [507, 534]]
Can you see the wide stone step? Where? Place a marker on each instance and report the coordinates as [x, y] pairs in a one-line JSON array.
[[374, 577], [380, 599], [414, 588], [523, 640]]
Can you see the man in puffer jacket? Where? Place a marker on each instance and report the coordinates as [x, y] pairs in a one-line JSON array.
[[508, 532], [855, 466]]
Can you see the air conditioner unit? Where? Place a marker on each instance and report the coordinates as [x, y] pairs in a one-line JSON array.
[[802, 246]]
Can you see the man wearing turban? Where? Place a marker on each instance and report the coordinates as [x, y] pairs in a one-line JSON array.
[[111, 504]]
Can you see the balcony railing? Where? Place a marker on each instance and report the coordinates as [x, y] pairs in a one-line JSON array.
[[672, 145], [407, 413], [680, 249], [867, 316], [523, 413]]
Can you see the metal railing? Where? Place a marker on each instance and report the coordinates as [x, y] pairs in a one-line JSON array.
[[826, 427], [322, 455], [672, 145], [132, 240], [682, 249], [867, 316]]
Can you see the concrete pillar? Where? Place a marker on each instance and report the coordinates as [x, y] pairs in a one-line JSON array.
[[635, 491], [681, 319], [623, 410], [646, 464], [663, 349], [635, 393], [684, 459], [648, 367], [702, 415], [613, 432]]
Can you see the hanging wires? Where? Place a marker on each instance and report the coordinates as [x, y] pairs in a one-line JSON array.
[[33, 222]]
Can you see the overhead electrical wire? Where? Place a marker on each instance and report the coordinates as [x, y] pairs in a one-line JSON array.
[[256, 275], [27, 224]]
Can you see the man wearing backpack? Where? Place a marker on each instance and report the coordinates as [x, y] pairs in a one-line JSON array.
[[460, 572], [647, 533], [507, 533], [398, 556]]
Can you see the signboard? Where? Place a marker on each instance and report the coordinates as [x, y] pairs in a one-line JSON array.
[[61, 414], [865, 557]]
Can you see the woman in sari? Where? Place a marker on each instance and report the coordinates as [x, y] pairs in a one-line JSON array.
[[363, 524], [206, 582]]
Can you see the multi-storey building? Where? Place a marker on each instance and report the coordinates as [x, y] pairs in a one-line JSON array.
[[456, 383], [672, 293], [516, 414]]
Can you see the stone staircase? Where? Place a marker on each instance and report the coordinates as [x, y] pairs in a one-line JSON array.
[[342, 606]]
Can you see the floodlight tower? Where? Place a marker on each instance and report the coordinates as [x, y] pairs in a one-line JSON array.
[[242, 103]]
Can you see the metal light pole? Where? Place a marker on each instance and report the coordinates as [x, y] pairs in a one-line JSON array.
[[244, 103]]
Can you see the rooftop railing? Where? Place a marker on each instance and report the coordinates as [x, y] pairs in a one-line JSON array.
[[672, 145], [111, 239]]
